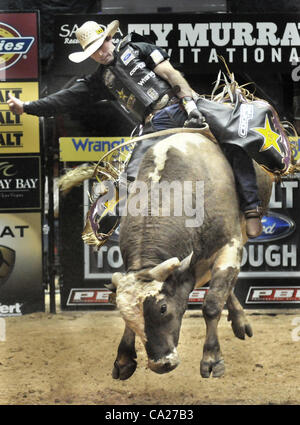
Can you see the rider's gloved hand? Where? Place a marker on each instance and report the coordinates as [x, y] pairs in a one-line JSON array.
[[195, 119], [15, 105]]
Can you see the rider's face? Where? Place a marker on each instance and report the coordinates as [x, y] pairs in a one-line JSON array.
[[104, 55]]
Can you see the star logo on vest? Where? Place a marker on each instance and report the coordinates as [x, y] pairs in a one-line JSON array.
[[270, 137], [122, 95]]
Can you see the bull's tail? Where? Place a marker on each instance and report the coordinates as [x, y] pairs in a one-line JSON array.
[[78, 175], [75, 177]]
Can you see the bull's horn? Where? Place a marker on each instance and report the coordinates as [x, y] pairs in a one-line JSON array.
[[115, 279], [185, 263], [110, 286], [163, 270]]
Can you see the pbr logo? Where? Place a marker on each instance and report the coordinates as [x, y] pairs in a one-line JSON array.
[[197, 295], [94, 296], [271, 295], [12, 46]]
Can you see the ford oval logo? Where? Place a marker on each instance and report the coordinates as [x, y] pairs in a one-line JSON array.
[[275, 226]]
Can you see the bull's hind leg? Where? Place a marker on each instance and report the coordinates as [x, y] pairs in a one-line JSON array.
[[224, 275], [125, 364], [239, 323]]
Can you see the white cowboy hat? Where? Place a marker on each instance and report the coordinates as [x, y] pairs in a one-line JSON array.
[[91, 36]]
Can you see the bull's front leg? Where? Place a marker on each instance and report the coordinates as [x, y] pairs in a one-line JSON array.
[[224, 276], [125, 363]]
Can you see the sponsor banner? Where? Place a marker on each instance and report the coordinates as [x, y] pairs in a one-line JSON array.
[[18, 46], [273, 295], [18, 133], [267, 295], [20, 182], [76, 149], [21, 278], [246, 42], [100, 296], [10, 310], [89, 296], [256, 295], [275, 253]]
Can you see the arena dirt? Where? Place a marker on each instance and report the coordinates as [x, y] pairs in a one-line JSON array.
[[67, 358]]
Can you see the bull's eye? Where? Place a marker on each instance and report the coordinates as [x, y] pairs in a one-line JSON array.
[[163, 309]]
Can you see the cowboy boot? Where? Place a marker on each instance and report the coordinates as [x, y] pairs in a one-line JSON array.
[[253, 223]]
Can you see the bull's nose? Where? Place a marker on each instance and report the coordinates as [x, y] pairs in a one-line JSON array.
[[162, 368], [165, 364]]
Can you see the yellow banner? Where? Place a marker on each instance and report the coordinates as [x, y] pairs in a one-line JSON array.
[[18, 133], [82, 149]]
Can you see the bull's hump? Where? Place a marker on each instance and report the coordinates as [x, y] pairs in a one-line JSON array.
[[181, 142]]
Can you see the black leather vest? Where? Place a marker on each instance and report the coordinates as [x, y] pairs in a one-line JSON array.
[[135, 86]]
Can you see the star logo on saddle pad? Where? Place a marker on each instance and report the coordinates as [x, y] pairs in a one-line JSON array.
[[122, 95], [270, 137]]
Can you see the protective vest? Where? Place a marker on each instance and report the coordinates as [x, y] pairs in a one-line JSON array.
[[135, 86]]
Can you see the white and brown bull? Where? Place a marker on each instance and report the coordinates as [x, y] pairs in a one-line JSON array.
[[165, 259]]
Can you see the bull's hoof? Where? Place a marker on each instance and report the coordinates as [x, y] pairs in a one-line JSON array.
[[240, 331], [216, 368], [124, 372], [241, 328]]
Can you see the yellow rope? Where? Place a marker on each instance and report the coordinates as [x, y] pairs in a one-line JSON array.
[[205, 130]]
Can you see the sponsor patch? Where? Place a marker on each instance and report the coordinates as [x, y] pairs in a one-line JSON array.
[[246, 114], [152, 94], [157, 57], [127, 56], [139, 65]]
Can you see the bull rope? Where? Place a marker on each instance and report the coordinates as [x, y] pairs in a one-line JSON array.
[[77, 175], [205, 131]]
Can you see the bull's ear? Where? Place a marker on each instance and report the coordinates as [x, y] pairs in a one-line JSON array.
[[185, 263], [115, 279], [163, 270]]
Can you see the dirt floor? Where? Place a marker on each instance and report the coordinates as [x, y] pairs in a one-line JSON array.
[[67, 358]]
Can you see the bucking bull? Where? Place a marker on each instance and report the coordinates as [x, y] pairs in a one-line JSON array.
[[165, 259], [168, 254]]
